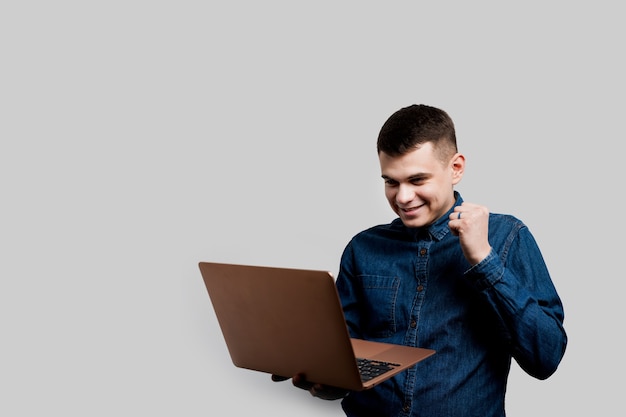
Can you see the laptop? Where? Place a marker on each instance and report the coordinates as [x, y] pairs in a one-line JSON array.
[[286, 321]]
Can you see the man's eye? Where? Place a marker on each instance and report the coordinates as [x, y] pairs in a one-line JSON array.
[[391, 182]]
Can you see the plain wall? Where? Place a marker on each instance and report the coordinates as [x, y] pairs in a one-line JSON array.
[[139, 138]]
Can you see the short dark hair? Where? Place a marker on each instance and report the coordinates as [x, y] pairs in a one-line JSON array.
[[410, 127]]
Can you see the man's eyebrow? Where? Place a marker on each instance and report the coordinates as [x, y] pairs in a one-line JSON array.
[[419, 176]]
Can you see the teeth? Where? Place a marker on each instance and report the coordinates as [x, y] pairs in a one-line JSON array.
[[407, 209]]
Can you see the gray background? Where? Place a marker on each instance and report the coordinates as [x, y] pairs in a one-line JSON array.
[[139, 138]]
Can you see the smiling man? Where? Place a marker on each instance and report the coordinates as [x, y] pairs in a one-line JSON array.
[[446, 275]]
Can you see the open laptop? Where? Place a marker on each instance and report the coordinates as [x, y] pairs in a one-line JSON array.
[[286, 321]]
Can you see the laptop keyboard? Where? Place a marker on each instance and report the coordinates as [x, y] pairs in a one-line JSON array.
[[371, 368]]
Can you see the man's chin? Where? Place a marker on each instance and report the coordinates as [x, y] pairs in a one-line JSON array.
[[413, 222]]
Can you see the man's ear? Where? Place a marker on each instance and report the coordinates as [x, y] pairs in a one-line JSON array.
[[457, 165]]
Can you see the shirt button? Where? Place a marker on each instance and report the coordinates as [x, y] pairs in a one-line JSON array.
[[413, 324], [420, 288], [406, 408], [423, 251]]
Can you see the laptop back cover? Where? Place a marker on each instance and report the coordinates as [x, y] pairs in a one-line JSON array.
[[282, 321]]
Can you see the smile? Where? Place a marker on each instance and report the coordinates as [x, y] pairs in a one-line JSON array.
[[409, 210]]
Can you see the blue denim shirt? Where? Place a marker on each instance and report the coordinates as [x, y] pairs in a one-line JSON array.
[[414, 287]]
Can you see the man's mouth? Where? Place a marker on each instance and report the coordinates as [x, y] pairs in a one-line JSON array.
[[410, 210]]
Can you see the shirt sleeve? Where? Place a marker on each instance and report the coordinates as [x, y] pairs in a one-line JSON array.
[[514, 280]]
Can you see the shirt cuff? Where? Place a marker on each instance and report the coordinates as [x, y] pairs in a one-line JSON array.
[[487, 272]]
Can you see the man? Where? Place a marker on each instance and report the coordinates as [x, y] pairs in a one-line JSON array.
[[446, 275]]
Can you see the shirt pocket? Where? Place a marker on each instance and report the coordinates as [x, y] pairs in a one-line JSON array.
[[379, 296]]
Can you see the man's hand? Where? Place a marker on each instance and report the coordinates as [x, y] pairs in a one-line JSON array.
[[324, 392], [470, 222]]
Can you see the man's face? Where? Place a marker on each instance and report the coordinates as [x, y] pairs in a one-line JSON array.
[[419, 186]]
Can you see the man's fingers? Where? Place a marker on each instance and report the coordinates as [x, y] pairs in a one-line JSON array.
[[328, 393], [301, 382]]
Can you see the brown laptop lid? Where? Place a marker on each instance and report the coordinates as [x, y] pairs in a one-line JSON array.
[[277, 336]]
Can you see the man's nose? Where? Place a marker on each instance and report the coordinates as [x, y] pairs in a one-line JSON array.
[[405, 194]]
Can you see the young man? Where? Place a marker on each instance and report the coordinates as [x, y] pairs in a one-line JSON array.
[[446, 275]]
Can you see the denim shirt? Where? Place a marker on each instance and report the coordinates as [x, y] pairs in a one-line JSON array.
[[413, 286]]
